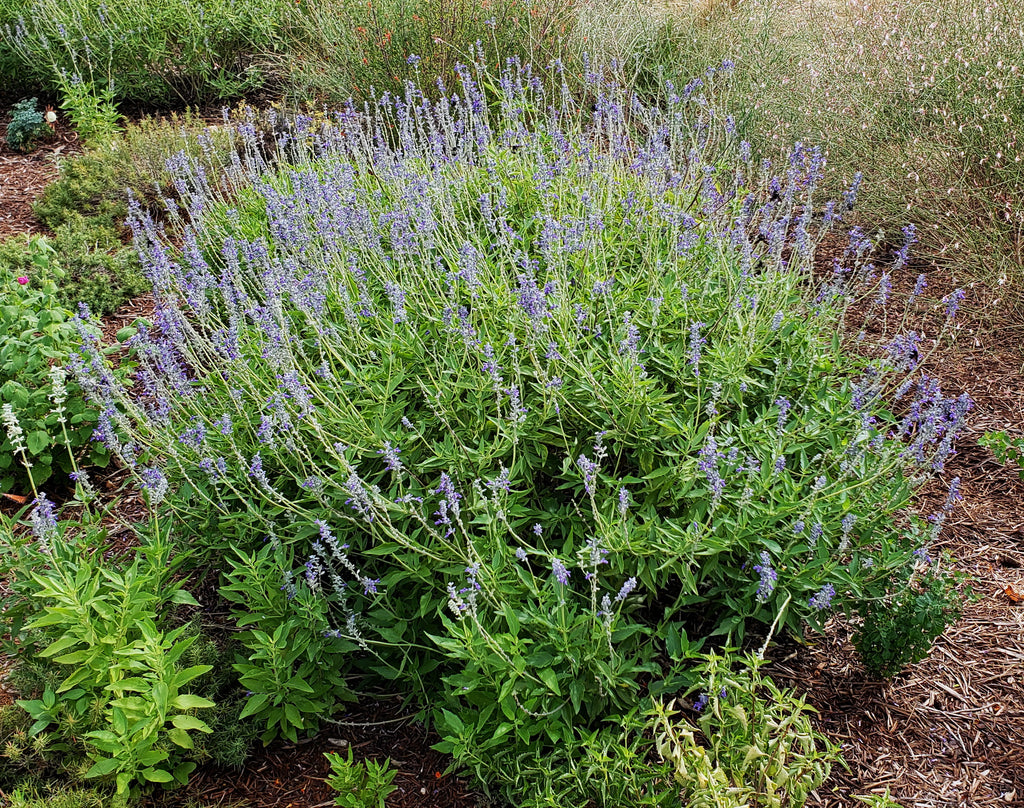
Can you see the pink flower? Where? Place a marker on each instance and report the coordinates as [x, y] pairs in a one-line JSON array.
[[22, 280]]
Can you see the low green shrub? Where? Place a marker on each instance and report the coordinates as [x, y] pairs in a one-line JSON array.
[[898, 624], [751, 742], [47, 423], [289, 662], [365, 784], [1007, 448], [123, 700], [27, 125], [154, 52]]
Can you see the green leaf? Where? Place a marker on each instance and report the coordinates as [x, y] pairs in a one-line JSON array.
[[187, 701], [37, 442], [548, 677], [180, 738], [256, 703], [183, 598], [102, 767], [190, 722], [157, 775]]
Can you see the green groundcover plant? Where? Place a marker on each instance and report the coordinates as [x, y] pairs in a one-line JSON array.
[[47, 424], [120, 698], [535, 399]]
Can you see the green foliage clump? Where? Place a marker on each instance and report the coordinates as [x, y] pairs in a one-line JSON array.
[[27, 125], [154, 52], [752, 743], [365, 784], [122, 705], [289, 661], [47, 422], [539, 409], [91, 109], [1007, 448], [58, 796], [900, 619]]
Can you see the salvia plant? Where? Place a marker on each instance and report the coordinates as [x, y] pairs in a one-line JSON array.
[[534, 392]]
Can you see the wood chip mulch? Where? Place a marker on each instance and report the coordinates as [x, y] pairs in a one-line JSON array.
[[947, 732], [288, 775], [23, 176]]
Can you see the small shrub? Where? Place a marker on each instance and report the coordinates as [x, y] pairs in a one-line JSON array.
[[122, 700], [365, 784], [903, 614], [46, 420], [290, 659], [751, 742], [91, 109], [1007, 448], [27, 126]]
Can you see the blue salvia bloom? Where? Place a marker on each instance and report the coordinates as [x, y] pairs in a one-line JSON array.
[[798, 527], [630, 344], [768, 577], [560, 571], [491, 366], [623, 501], [521, 554], [847, 523], [626, 590], [909, 238], [397, 297], [708, 463], [953, 496], [589, 470], [850, 196], [780, 464], [884, 289], [44, 523], [823, 599], [391, 460], [359, 498], [952, 302], [701, 702], [155, 484], [784, 407], [501, 482], [919, 287], [596, 553], [817, 530], [777, 320]]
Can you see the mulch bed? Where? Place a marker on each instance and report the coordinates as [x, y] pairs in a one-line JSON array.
[[948, 731], [23, 176]]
